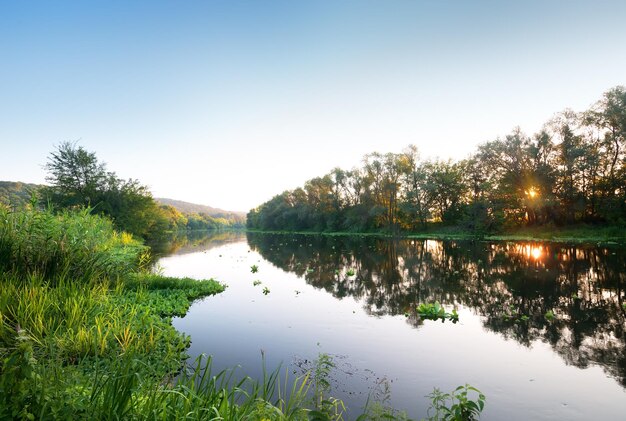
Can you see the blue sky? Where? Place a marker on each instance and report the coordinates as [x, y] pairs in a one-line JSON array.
[[227, 103]]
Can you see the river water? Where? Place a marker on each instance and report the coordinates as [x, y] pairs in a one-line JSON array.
[[541, 328]]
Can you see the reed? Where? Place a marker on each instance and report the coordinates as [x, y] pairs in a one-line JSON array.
[[74, 245]]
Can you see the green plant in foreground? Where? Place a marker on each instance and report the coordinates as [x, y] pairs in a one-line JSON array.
[[436, 311], [456, 405], [325, 407], [266, 290], [256, 283], [549, 315], [350, 272], [254, 268]]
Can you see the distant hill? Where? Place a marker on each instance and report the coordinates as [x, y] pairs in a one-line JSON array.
[[16, 194], [188, 208]]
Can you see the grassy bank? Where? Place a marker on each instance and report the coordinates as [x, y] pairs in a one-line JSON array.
[[569, 234], [79, 313]]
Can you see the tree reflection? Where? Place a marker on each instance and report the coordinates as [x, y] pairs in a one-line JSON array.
[[192, 242], [512, 285]]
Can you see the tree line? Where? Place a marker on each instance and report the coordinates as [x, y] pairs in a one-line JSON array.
[[573, 170], [78, 179]]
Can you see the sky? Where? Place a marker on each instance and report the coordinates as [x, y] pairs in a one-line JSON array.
[[228, 103]]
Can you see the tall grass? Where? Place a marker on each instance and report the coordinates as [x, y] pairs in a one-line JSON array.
[[75, 299], [71, 244]]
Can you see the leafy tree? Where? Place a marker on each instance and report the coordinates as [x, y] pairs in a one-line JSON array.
[[77, 178], [75, 175]]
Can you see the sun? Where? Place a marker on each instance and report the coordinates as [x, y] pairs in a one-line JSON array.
[[532, 192], [535, 253]]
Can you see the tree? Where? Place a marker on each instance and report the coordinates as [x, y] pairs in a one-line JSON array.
[[608, 118], [77, 178], [445, 189]]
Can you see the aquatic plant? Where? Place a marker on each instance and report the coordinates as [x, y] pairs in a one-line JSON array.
[[456, 405], [435, 311], [266, 290], [256, 283], [254, 268]]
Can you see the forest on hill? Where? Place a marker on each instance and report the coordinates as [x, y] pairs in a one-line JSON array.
[[188, 208], [16, 194], [572, 171]]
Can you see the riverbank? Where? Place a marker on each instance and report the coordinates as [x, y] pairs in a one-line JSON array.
[[572, 234], [86, 332]]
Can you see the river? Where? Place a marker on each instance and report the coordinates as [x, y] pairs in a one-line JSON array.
[[541, 328]]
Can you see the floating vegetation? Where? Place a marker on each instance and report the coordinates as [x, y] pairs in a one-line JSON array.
[[254, 268], [256, 283], [436, 311], [266, 290]]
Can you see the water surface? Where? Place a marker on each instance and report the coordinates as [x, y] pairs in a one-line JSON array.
[[529, 365]]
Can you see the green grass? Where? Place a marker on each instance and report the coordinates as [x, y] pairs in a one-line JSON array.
[[75, 245]]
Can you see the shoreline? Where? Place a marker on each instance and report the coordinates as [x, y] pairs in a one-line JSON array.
[[578, 235]]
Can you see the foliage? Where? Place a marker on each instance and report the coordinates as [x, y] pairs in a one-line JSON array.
[[77, 245], [254, 268], [78, 179], [17, 195], [456, 405], [205, 214], [436, 311], [572, 171], [325, 407]]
